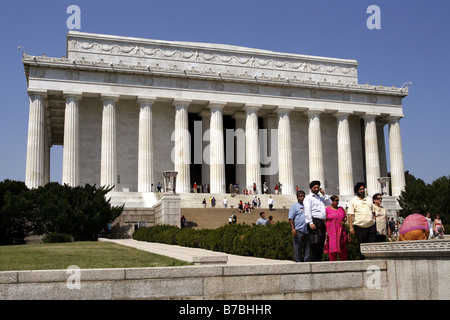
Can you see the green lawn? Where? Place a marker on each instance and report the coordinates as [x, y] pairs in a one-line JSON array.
[[86, 255]]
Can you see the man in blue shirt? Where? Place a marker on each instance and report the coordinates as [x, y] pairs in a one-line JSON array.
[[299, 229], [262, 220]]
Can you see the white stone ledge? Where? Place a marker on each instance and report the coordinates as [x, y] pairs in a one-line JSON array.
[[283, 281], [406, 249]]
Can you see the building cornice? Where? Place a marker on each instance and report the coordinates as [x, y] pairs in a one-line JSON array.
[[83, 65]]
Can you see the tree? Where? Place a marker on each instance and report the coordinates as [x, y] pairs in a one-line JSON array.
[[15, 210], [419, 197], [414, 198], [81, 212]]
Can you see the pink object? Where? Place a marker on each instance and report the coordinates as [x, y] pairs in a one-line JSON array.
[[412, 222]]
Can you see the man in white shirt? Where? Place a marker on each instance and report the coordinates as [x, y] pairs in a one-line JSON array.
[[270, 202], [315, 215], [225, 202]]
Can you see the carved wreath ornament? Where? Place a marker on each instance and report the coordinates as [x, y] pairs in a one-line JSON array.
[[198, 56]]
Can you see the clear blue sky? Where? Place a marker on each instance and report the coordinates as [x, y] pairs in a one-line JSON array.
[[413, 44]]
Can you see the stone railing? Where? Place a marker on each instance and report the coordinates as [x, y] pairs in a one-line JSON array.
[[415, 269], [392, 271], [318, 280]]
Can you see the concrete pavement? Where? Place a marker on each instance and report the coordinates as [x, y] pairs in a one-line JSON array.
[[195, 255]]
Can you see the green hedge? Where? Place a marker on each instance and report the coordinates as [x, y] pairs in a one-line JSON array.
[[57, 238], [271, 242]]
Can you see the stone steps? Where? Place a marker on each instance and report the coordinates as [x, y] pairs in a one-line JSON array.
[[212, 218], [194, 200]]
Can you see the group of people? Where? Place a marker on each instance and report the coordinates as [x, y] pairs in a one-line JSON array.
[[318, 223], [200, 188], [435, 227], [262, 221], [248, 207]]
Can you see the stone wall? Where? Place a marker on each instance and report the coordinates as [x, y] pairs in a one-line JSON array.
[[324, 280], [391, 271]]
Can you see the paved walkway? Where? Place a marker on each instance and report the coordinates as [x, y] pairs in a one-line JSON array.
[[197, 255]]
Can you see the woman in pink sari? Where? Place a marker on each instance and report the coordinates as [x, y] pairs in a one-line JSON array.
[[336, 240]]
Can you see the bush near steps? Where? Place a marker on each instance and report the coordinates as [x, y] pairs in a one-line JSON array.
[[270, 242]]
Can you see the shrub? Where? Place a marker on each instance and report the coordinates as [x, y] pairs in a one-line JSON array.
[[273, 242], [270, 242], [81, 212], [57, 238]]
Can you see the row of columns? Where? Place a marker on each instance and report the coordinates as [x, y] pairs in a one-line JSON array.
[[36, 159]]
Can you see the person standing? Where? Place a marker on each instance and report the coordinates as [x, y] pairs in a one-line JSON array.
[[262, 219], [392, 229], [337, 238], [315, 204], [270, 202], [430, 225], [361, 217], [299, 231], [438, 227], [380, 217]]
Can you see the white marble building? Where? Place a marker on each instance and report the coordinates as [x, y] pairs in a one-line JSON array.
[[127, 109]]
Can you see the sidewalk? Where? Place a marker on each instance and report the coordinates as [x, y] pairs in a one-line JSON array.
[[195, 255]]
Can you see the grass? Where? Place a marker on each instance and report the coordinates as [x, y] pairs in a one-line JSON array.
[[86, 255]]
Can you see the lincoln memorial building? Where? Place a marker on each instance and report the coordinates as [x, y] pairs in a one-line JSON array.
[[126, 109]]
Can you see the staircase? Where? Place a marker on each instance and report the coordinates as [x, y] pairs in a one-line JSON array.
[[134, 199], [194, 200], [138, 204]]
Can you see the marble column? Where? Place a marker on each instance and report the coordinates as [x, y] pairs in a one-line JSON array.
[[108, 166], [372, 155], [239, 150], [252, 152], [35, 165], [285, 165], [217, 149], [344, 154], [47, 144], [182, 149], [206, 153], [396, 157], [316, 171], [71, 147], [145, 152]]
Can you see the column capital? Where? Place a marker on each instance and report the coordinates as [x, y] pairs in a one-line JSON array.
[[342, 114], [394, 118], [252, 107], [111, 97], [144, 99], [284, 110], [72, 94], [216, 105], [39, 92], [370, 116], [314, 112], [181, 103]]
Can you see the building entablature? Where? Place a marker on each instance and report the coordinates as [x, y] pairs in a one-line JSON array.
[[219, 79]]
